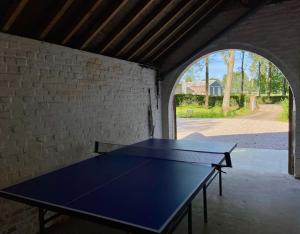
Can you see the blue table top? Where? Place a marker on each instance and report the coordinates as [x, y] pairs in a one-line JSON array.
[[66, 184], [148, 196], [131, 185]]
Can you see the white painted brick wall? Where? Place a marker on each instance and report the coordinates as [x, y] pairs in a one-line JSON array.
[[54, 103]]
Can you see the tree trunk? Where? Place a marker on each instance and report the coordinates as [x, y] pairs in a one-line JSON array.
[[206, 81], [227, 88], [283, 90], [259, 77], [270, 79], [242, 80]]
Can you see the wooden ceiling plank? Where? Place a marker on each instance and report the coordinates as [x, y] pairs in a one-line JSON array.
[[179, 37], [82, 21], [180, 25], [157, 33], [103, 24], [132, 40], [14, 15], [116, 36], [250, 12], [56, 18]]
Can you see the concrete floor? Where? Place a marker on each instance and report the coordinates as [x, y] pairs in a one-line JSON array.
[[259, 197]]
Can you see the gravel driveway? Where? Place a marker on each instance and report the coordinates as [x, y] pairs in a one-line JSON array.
[[258, 130]]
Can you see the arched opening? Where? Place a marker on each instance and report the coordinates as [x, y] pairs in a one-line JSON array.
[[291, 104], [255, 194]]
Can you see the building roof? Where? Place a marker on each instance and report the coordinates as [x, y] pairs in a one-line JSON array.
[[196, 89], [202, 82]]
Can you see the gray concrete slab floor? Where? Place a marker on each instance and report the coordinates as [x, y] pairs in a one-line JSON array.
[[259, 197]]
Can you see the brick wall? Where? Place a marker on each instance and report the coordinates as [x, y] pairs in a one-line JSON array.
[[272, 32], [54, 103]]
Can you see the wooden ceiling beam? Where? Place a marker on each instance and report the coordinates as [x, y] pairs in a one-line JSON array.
[[103, 24], [239, 20], [143, 29], [133, 19], [178, 28], [186, 31], [56, 18], [81, 22], [153, 36], [14, 15]]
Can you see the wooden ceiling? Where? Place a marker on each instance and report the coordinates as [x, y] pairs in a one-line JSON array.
[[143, 31]]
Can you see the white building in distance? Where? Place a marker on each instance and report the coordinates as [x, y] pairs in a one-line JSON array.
[[215, 87]]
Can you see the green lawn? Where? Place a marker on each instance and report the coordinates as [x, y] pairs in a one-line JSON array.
[[196, 111], [284, 115]]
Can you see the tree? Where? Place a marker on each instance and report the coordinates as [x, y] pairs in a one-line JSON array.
[[259, 78], [236, 83], [229, 59], [242, 97], [269, 79], [283, 89], [206, 81], [278, 83], [188, 79], [259, 69]]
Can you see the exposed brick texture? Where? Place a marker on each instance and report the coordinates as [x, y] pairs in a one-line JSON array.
[[54, 103], [272, 32]]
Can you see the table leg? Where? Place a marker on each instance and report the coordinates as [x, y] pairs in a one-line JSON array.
[[205, 204], [190, 224], [41, 221], [220, 183]]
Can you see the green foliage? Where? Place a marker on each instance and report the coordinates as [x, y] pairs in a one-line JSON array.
[[284, 115], [277, 77], [236, 82], [270, 100], [256, 60], [195, 111], [278, 81], [188, 79], [242, 100], [188, 99], [252, 83]]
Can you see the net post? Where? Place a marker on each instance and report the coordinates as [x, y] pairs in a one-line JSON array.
[[228, 159]]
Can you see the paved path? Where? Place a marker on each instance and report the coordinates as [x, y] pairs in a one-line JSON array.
[[265, 112], [258, 130]]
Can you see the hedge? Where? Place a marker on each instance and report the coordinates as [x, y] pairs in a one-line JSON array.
[[186, 99], [235, 100]]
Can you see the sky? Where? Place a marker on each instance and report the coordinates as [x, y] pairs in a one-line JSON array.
[[217, 66]]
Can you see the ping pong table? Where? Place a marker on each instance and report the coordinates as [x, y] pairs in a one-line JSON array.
[[147, 187]]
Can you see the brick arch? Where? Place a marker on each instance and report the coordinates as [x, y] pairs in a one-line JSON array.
[[174, 76]]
